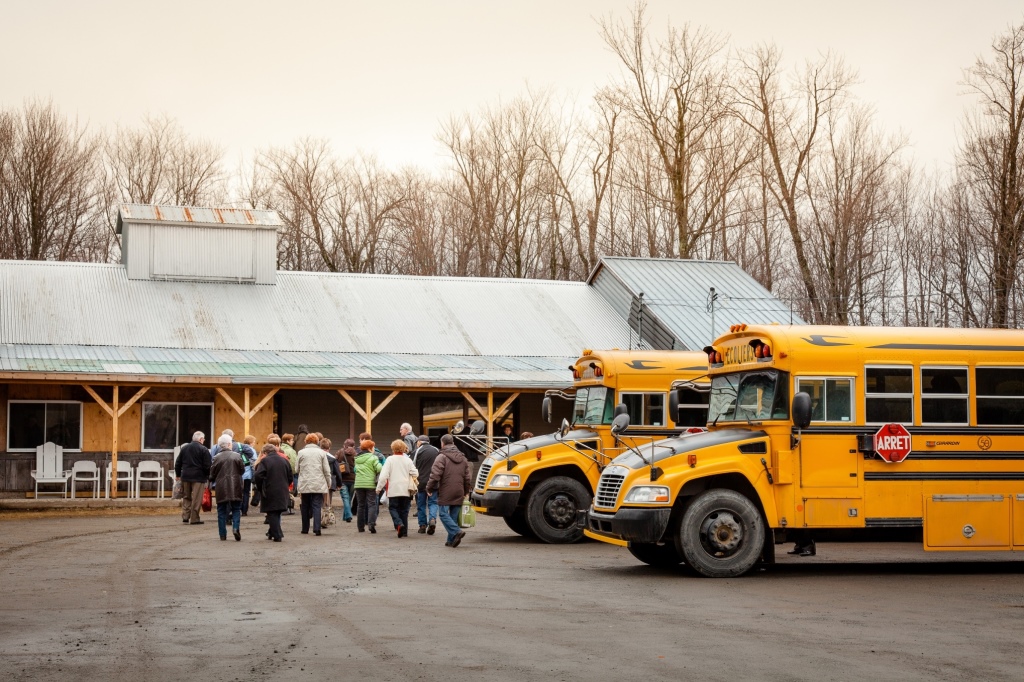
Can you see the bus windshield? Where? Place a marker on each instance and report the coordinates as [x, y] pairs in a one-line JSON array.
[[749, 396], [593, 405]]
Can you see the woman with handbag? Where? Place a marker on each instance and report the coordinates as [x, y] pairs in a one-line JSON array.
[[399, 475]]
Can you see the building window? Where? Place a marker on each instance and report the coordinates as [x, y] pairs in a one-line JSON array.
[[831, 399], [889, 395], [32, 423], [645, 409], [1000, 393], [166, 425], [943, 395]]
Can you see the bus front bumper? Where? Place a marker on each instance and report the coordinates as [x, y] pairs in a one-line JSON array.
[[495, 502], [627, 525]]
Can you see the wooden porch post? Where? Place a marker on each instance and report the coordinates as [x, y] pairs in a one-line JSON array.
[[369, 410], [369, 413], [115, 413], [248, 415], [115, 418], [490, 420]]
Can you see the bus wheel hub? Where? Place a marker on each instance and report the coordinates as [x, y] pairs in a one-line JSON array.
[[560, 511], [723, 532]]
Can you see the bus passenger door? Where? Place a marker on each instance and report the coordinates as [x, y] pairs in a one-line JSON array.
[[830, 463]]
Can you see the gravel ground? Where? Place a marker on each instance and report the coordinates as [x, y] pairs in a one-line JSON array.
[[128, 597]]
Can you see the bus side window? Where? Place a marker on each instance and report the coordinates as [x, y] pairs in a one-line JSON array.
[[889, 395], [693, 408], [831, 399], [816, 389], [943, 395], [1000, 392]]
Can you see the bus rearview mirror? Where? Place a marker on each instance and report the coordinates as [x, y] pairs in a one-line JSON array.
[[673, 405], [545, 409], [801, 410]]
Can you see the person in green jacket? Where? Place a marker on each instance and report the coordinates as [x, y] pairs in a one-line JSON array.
[[367, 468]]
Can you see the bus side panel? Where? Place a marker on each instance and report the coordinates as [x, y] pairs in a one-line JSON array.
[[966, 522], [1018, 521]]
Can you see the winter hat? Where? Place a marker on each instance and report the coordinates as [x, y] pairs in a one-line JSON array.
[[423, 439]]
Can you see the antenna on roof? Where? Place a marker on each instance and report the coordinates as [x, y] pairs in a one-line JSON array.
[[712, 297], [640, 324]]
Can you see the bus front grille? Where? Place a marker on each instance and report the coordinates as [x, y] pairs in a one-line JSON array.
[[608, 490], [481, 477]]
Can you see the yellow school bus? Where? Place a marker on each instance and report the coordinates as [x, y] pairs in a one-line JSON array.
[[819, 430], [539, 484]]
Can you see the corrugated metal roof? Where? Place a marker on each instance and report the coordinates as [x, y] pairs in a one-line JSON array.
[[82, 304], [676, 291], [198, 215], [349, 369]]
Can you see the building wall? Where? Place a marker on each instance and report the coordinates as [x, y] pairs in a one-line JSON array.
[[321, 410], [97, 426]]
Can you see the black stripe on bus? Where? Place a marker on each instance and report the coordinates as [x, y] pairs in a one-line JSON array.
[[641, 431], [946, 346], [894, 522], [944, 476], [964, 431], [966, 454]]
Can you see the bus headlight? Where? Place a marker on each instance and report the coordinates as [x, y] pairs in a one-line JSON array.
[[505, 481], [648, 494]]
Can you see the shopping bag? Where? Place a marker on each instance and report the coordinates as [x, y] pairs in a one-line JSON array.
[[207, 499], [327, 517], [467, 517], [178, 491]]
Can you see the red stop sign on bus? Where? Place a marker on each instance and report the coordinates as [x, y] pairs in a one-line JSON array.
[[892, 442]]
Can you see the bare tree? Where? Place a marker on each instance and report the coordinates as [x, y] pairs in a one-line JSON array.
[[851, 200], [677, 93], [48, 186], [157, 163], [788, 122], [991, 163]]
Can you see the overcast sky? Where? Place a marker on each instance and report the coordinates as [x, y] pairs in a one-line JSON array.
[[380, 76]]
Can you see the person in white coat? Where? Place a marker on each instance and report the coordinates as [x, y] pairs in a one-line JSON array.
[[314, 474], [398, 475]]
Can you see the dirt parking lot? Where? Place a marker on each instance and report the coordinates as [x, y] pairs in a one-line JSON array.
[[148, 598]]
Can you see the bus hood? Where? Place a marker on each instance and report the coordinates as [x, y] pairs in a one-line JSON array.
[[543, 441], [688, 442]]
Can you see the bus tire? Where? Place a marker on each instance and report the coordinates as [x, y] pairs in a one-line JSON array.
[[658, 556], [551, 510], [721, 534], [517, 522]]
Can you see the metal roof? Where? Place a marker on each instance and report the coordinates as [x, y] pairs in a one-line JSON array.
[[676, 292], [261, 367], [97, 305], [196, 215], [82, 317]]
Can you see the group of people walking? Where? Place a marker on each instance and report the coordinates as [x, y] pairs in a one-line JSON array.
[[438, 479]]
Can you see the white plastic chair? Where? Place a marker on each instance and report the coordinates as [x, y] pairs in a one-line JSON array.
[[85, 472], [50, 468], [124, 474], [149, 471]]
